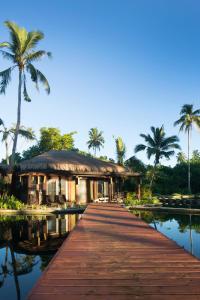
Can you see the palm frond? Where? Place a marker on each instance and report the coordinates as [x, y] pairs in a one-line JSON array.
[[5, 135], [33, 72], [24, 132], [5, 45], [150, 152], [186, 109], [139, 147], [44, 81], [35, 56], [25, 93], [7, 55], [167, 154], [27, 133], [33, 38], [196, 112], [5, 79], [179, 121], [14, 36], [169, 140], [148, 139]]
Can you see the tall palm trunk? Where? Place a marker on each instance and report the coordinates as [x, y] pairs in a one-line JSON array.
[[18, 120], [7, 154], [15, 271], [189, 175], [153, 175]]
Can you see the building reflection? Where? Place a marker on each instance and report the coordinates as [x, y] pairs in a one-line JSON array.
[[35, 235], [25, 239]]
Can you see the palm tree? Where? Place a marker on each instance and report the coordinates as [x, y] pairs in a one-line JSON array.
[[186, 121], [26, 133], [181, 158], [120, 150], [20, 50], [96, 139], [159, 146]]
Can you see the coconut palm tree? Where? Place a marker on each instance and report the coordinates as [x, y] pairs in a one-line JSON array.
[[96, 139], [120, 150], [188, 118], [159, 146], [26, 133], [20, 50]]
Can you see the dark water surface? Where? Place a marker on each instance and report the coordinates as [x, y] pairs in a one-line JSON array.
[[183, 229], [27, 244]]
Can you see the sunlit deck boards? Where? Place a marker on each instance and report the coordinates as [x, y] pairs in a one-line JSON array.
[[113, 255]]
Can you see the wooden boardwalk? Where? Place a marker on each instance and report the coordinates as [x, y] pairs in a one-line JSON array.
[[113, 255]]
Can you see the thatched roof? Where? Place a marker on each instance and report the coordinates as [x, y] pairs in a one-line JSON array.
[[74, 163]]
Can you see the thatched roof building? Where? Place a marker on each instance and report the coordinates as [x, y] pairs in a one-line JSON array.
[[72, 162], [70, 176]]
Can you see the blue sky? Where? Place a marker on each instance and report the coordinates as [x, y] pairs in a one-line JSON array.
[[122, 66]]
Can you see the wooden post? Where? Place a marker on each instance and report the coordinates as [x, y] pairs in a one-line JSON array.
[[110, 187], [95, 189], [77, 190], [59, 185], [139, 188], [88, 192]]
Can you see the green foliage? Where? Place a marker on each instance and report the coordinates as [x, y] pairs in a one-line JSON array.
[[17, 159], [105, 158], [120, 150], [181, 158], [31, 152], [135, 164], [195, 159], [96, 139], [158, 145], [146, 193], [50, 139], [131, 200], [20, 50], [10, 202], [188, 118]]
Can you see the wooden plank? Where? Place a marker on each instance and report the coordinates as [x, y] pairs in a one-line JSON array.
[[111, 254]]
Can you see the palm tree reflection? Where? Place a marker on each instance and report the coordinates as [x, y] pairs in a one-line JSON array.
[[29, 241]]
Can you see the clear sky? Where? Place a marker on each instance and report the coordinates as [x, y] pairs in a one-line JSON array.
[[122, 66]]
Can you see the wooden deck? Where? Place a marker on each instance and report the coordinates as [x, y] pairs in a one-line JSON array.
[[113, 255]]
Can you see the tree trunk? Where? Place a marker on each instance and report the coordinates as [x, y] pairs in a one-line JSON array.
[[18, 121], [7, 154], [191, 241], [15, 271], [153, 176], [189, 176]]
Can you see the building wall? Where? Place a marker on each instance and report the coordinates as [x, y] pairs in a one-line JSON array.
[[73, 189]]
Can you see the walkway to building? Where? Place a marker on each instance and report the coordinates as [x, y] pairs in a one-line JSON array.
[[113, 255]]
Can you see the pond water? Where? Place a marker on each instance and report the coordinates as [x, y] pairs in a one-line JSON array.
[[183, 229], [27, 244]]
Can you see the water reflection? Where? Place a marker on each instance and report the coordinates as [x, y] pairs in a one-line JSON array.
[[183, 229], [27, 244]]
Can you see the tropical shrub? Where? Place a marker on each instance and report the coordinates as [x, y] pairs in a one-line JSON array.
[[10, 202], [131, 200]]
